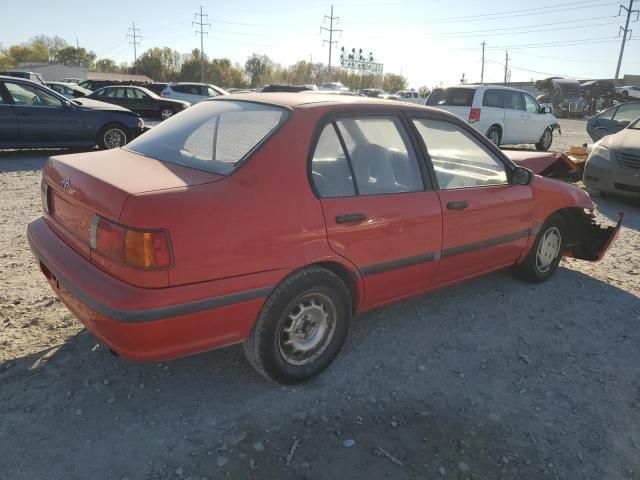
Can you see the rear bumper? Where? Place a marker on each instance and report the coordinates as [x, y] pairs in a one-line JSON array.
[[149, 324]]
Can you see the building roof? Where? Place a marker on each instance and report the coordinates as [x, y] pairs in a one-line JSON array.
[[117, 76]]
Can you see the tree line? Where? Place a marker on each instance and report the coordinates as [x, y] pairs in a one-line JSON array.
[[166, 64]]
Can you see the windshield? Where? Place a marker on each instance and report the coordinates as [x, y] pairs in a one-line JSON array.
[[213, 135]]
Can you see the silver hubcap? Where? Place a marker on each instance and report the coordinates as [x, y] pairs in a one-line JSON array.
[[494, 137], [114, 138], [307, 329], [548, 249], [166, 113]]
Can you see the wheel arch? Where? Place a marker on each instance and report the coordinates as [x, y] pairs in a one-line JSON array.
[[351, 278]]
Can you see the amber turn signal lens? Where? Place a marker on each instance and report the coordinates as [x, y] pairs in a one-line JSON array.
[[138, 248]]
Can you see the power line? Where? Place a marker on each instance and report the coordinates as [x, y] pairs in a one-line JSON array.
[[625, 31], [331, 41], [135, 42], [202, 33], [482, 71], [547, 44]]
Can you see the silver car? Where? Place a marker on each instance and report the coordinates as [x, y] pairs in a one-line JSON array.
[[191, 92], [614, 163]]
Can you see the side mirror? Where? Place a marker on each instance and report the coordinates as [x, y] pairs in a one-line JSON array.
[[521, 176], [545, 109], [624, 123]]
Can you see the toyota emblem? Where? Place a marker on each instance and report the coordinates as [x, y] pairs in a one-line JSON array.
[[66, 184]]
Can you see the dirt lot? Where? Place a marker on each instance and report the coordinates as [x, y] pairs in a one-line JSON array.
[[486, 380]]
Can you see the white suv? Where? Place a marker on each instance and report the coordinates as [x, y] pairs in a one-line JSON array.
[[191, 92], [505, 115]]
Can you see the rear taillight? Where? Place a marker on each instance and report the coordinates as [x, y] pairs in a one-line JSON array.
[[146, 249], [44, 196], [474, 115]]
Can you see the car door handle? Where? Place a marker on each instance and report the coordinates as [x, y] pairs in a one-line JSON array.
[[459, 205], [350, 217]]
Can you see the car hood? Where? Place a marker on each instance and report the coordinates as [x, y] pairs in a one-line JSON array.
[[90, 104], [627, 139]]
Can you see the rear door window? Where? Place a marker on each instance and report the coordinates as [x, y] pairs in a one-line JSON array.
[[512, 100], [381, 155], [452, 97], [330, 169], [492, 98], [214, 136]]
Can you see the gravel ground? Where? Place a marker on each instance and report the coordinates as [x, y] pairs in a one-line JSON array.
[[490, 379]]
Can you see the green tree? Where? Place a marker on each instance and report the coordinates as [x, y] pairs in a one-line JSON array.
[[52, 44], [258, 68], [159, 63], [106, 65], [393, 82], [76, 56], [28, 53]]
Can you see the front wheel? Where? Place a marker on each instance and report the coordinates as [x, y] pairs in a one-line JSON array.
[[545, 141], [166, 112], [112, 136], [301, 328], [545, 254]]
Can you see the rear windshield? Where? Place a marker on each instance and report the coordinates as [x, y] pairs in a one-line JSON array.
[[452, 97], [214, 135]]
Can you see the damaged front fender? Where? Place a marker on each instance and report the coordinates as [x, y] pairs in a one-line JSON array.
[[587, 239], [556, 126]]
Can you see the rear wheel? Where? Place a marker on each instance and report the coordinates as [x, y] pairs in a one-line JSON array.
[[166, 112], [301, 328], [112, 136], [545, 254], [545, 141], [493, 134]]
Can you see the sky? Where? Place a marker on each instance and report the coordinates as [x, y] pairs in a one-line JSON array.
[[430, 42]]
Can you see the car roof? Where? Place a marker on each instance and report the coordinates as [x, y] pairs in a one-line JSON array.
[[19, 79], [310, 99]]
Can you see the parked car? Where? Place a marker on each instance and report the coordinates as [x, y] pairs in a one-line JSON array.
[[612, 120], [71, 80], [373, 92], [332, 86], [155, 268], [35, 116], [34, 77], [566, 96], [192, 92], [156, 87], [410, 96], [140, 100], [628, 92], [68, 90], [613, 166], [505, 115], [94, 85], [285, 88]]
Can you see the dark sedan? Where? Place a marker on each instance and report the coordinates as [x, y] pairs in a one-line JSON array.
[[612, 120], [33, 116], [140, 100]]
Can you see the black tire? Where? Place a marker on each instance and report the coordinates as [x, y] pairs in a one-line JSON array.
[[265, 347], [545, 140], [530, 269], [494, 135], [166, 112], [104, 142], [625, 94]]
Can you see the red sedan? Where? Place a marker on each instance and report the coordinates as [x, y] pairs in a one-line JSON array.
[[270, 219]]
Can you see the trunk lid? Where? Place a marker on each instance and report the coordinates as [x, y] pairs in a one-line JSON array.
[[78, 186]]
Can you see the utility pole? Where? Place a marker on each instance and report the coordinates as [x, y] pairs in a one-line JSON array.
[[625, 31], [482, 71], [506, 66], [331, 41], [135, 36], [202, 33]]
